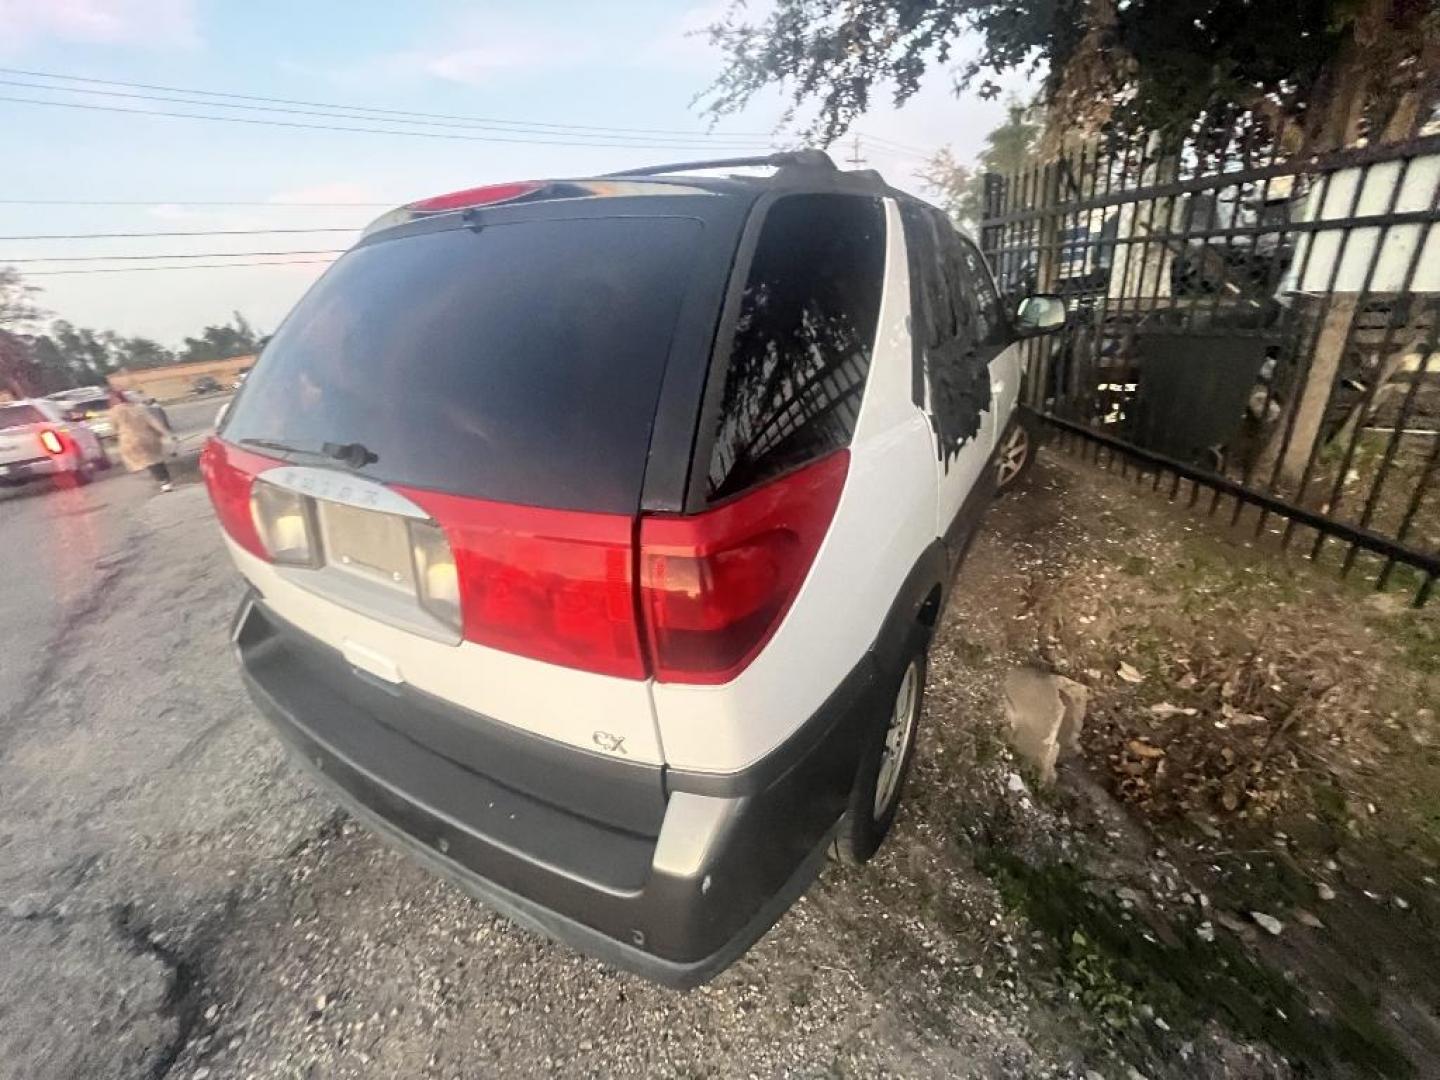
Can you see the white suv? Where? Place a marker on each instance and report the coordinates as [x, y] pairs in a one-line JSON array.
[[596, 530]]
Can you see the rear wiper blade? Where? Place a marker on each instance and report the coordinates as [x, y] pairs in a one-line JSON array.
[[281, 447], [354, 454]]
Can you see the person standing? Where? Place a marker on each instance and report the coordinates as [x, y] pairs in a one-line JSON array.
[[142, 438]]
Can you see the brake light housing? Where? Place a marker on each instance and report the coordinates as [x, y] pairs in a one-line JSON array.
[[680, 598], [715, 586], [489, 195], [553, 585], [230, 479]]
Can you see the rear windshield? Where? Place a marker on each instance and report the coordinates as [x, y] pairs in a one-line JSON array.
[[517, 362], [19, 416]]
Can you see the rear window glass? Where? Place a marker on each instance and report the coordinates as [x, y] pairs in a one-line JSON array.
[[19, 416], [803, 339], [517, 362]]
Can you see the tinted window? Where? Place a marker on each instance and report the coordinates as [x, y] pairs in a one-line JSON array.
[[803, 338], [20, 415], [517, 362], [990, 326], [956, 329]]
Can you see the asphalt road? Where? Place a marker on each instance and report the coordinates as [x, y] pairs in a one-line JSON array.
[[178, 901], [57, 546]]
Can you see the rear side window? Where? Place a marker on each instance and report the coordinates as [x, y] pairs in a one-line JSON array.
[[517, 362], [803, 339], [12, 416], [959, 326]]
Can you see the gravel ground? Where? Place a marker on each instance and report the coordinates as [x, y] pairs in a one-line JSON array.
[[177, 901]]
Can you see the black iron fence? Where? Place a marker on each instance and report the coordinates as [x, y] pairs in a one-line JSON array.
[[1252, 329]]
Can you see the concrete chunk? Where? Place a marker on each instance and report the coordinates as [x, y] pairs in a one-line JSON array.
[[1046, 713]]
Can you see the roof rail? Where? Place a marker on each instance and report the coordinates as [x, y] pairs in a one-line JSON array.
[[811, 158]]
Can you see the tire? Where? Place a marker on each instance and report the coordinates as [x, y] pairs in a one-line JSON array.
[[884, 761], [1015, 456]]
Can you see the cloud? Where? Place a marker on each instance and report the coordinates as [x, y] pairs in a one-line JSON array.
[[477, 63], [158, 23], [336, 191]]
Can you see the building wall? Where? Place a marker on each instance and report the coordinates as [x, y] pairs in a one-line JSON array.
[[178, 380]]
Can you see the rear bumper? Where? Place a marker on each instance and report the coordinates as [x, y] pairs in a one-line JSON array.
[[670, 875], [32, 469]]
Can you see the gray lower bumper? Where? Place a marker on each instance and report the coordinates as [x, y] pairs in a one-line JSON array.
[[675, 897]]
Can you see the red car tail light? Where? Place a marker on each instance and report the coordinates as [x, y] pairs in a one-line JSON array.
[[480, 196], [555, 585], [230, 477], [715, 586], [51, 442]]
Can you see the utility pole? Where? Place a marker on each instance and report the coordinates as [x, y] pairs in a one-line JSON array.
[[855, 159]]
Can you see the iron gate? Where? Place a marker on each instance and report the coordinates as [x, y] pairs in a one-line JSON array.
[[1255, 327]]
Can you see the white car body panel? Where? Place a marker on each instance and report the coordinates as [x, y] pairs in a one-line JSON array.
[[884, 522], [560, 703]]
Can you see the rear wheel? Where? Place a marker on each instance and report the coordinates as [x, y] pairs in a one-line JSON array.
[[1016, 453], [884, 762]]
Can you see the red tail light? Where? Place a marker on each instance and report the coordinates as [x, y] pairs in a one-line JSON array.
[[556, 585], [229, 476], [480, 196], [51, 442], [560, 585], [714, 586]]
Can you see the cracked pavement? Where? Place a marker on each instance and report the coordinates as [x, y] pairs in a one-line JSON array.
[[176, 900]]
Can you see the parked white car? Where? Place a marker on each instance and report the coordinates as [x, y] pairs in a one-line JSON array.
[[596, 532], [36, 440]]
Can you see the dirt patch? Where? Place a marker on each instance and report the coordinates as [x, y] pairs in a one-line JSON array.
[[1271, 730]]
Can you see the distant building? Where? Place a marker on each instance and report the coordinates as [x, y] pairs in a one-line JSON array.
[[178, 380]]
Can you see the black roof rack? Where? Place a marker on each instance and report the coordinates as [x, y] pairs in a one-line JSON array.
[[804, 158]]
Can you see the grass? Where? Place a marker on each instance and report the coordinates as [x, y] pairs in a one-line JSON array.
[[1109, 961]]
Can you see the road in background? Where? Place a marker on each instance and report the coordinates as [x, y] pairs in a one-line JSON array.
[[59, 545]]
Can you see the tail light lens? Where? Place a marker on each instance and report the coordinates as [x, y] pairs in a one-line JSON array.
[[285, 524], [489, 195], [51, 442], [715, 586], [555, 585], [436, 579], [229, 477]]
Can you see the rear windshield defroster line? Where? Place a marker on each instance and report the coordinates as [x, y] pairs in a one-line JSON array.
[[519, 363]]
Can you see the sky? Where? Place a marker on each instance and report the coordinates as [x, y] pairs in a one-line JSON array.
[[562, 67]]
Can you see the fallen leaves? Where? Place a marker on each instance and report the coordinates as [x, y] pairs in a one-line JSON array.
[[1128, 673]]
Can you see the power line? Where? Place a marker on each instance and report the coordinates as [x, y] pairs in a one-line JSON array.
[[658, 142], [329, 127], [468, 120], [180, 255], [192, 266], [184, 232], [182, 202]]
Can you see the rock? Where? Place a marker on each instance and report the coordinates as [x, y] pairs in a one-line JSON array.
[[1165, 709], [1015, 783], [1046, 713], [1205, 931], [1324, 891], [25, 907], [1268, 923], [1128, 673]]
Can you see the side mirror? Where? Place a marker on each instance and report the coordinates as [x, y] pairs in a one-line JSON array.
[[1042, 313]]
